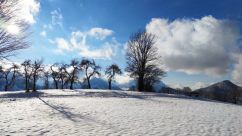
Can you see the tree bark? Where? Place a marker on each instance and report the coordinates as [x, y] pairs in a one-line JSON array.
[[71, 86], [109, 85], [140, 83], [56, 85], [6, 88], [34, 84], [89, 84]]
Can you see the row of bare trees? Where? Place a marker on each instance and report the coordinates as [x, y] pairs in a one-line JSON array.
[[60, 74], [142, 63]]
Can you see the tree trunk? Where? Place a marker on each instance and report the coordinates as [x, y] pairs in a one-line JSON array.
[[62, 84], [140, 83], [109, 85], [71, 85], [26, 82], [89, 85], [34, 84], [6, 87], [56, 84]]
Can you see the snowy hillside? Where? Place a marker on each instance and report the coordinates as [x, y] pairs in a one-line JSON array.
[[100, 112]]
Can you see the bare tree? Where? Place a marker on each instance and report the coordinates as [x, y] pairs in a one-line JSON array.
[[62, 75], [111, 71], [73, 73], [152, 75], [37, 68], [27, 73], [142, 60], [91, 69], [9, 76], [10, 43], [46, 76], [55, 75]]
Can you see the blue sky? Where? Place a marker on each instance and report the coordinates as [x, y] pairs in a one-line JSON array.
[[102, 28]]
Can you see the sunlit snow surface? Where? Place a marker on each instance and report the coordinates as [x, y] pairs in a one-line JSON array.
[[99, 112]]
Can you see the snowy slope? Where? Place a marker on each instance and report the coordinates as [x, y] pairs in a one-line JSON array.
[[100, 112]]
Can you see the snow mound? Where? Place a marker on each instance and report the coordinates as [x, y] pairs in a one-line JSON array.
[[103, 112]]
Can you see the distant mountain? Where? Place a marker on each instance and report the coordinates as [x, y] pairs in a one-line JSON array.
[[158, 86], [99, 83], [19, 84], [132, 85], [223, 91]]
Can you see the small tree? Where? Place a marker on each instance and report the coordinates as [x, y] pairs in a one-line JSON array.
[[63, 77], [111, 71], [46, 76], [142, 60], [27, 73], [9, 75], [73, 73], [91, 69], [55, 75], [37, 68]]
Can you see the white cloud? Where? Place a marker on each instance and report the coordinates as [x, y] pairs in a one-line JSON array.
[[28, 9], [175, 86], [198, 85], [63, 44], [203, 45], [57, 18], [237, 71], [123, 79], [78, 43], [43, 33], [24, 11], [100, 33]]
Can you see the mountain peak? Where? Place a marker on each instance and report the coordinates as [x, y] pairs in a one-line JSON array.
[[226, 83]]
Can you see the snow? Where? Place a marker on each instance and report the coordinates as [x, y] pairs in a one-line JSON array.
[[102, 112]]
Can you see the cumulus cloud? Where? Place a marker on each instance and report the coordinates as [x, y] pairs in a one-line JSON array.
[[193, 46], [100, 33], [28, 9], [23, 11], [78, 43]]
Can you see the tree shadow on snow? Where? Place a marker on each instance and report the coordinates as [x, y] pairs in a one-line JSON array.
[[21, 95], [66, 113]]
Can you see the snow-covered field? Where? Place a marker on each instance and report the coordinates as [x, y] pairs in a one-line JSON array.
[[99, 112]]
